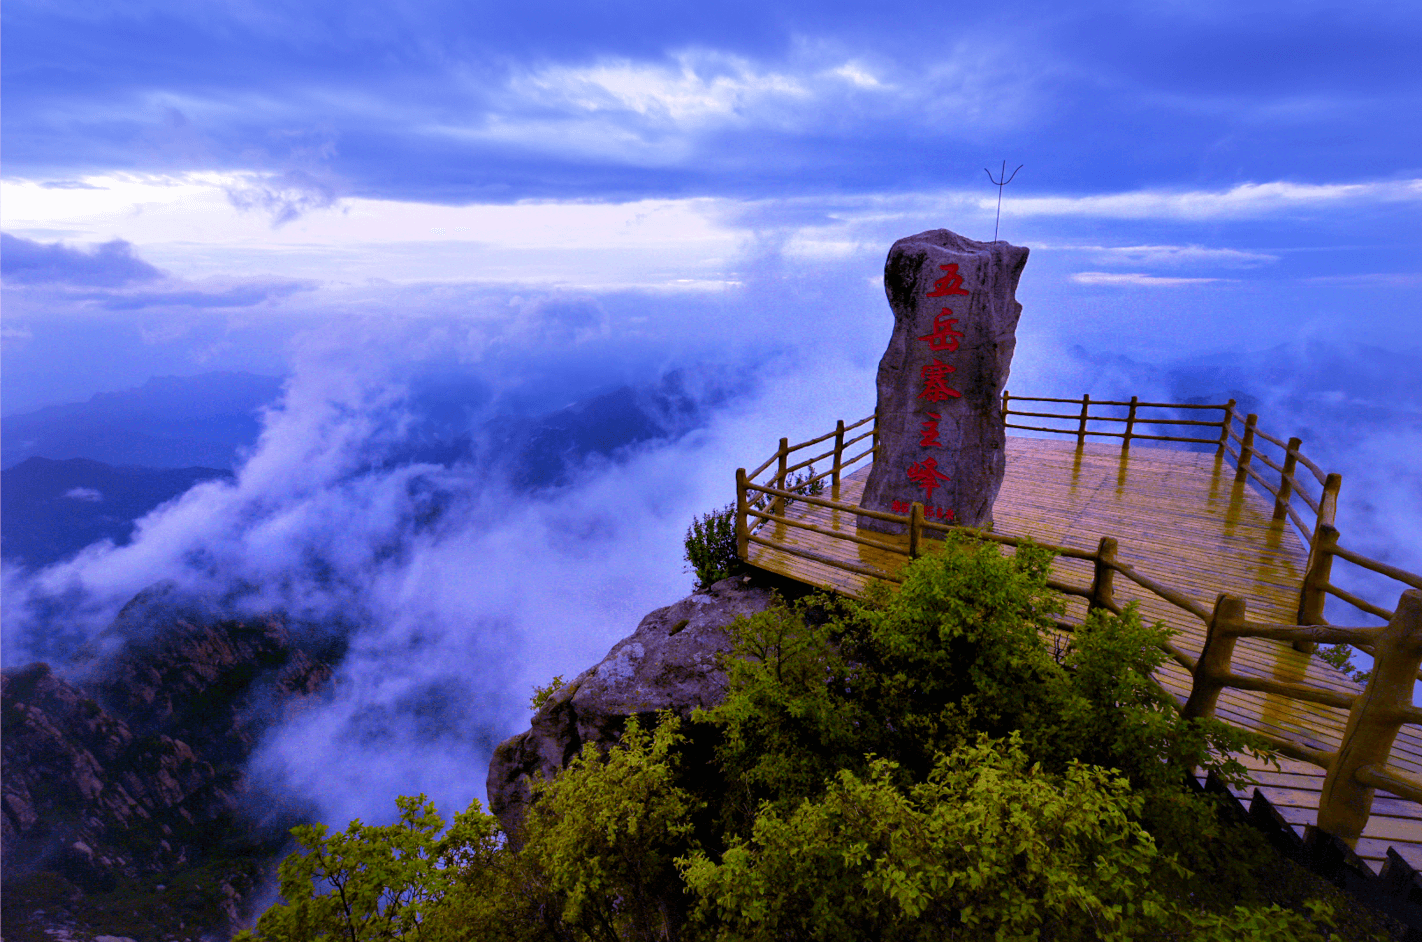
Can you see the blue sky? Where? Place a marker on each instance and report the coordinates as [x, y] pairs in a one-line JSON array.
[[1198, 176]]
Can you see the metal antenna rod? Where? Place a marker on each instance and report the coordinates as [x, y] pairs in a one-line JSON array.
[[1000, 182]]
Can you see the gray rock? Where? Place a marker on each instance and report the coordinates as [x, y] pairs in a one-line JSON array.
[[669, 663], [941, 440]]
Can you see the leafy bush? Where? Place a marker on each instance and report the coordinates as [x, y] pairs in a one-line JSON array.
[[605, 833], [804, 482], [989, 846], [711, 547], [542, 695], [917, 767]]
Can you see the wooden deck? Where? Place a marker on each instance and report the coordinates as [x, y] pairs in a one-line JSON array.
[[1181, 519]]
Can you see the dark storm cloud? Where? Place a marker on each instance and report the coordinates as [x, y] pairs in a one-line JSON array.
[[490, 101], [110, 265]]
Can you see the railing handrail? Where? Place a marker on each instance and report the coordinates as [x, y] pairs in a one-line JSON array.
[[1210, 671], [1289, 486]]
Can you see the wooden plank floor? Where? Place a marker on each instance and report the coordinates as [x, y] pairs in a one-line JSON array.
[[1179, 518]]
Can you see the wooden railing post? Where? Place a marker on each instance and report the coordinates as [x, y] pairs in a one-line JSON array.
[[1130, 426], [777, 506], [915, 528], [1005, 397], [1328, 500], [1320, 566], [1312, 594], [1246, 448], [1081, 430], [1226, 424], [1377, 713], [838, 453], [1213, 665], [874, 439], [1286, 478], [1103, 581], [742, 522]]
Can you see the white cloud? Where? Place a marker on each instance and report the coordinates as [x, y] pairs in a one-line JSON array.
[[1137, 280], [1370, 280], [1167, 255], [84, 493], [858, 74], [700, 87], [454, 587], [1248, 200], [188, 224]]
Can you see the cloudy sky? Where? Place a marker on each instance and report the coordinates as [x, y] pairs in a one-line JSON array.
[[570, 196], [1208, 174]]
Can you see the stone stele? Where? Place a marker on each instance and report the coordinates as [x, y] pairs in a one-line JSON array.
[[941, 440]]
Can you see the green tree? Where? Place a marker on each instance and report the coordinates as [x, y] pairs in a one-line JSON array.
[[373, 882]]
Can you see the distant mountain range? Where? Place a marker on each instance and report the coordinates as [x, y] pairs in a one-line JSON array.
[[82, 472], [168, 422], [49, 510]]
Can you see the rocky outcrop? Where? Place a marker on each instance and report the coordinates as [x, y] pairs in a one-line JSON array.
[[671, 662], [78, 784], [132, 776], [941, 440]]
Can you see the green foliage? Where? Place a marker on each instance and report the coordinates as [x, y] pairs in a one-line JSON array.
[[371, 882], [1341, 657], [606, 831], [918, 767], [958, 650], [542, 695], [787, 725], [989, 846], [711, 547]]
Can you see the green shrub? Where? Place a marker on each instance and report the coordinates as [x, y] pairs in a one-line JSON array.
[[542, 695], [989, 846], [605, 832], [918, 767], [711, 547]]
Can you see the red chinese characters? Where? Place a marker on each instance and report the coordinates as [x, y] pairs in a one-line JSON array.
[[936, 377], [935, 382], [930, 511], [951, 283], [928, 437], [944, 338], [926, 475]]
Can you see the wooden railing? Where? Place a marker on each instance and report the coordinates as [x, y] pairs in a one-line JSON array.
[[1241, 439], [1131, 421], [1375, 716]]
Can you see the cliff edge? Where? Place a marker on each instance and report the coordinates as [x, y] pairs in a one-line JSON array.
[[671, 662]]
